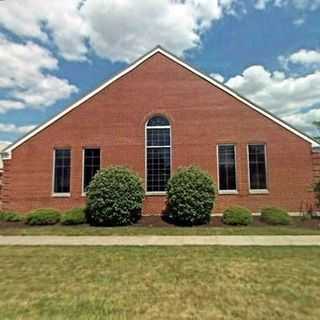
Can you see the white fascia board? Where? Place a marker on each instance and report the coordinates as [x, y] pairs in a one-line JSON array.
[[7, 151]]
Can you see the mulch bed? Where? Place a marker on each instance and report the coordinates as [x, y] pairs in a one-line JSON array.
[[157, 221]]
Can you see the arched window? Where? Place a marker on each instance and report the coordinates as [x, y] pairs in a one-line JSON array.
[[158, 153]]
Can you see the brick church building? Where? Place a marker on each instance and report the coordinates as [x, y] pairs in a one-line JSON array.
[[155, 116]]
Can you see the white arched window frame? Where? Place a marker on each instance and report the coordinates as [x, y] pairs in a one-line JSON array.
[[157, 154]]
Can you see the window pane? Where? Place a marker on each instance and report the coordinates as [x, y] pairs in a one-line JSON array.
[[158, 121], [158, 168], [91, 165], [257, 167], [158, 137], [62, 171], [227, 167], [158, 144]]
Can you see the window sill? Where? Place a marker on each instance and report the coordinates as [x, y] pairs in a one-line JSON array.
[[159, 193], [61, 195], [228, 192], [261, 191]]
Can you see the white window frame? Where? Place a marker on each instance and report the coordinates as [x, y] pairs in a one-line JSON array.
[[83, 193], [60, 194], [146, 127], [258, 191], [231, 191]]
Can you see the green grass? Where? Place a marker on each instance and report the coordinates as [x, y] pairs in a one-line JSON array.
[[218, 283], [133, 231]]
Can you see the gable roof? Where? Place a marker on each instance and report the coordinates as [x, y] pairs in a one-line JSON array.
[[7, 151]]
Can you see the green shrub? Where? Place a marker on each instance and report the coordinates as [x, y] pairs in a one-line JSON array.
[[10, 216], [43, 217], [114, 197], [74, 216], [237, 216], [275, 216], [191, 195]]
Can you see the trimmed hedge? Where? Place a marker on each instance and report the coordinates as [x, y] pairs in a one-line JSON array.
[[237, 216], [43, 217], [114, 197], [74, 216], [275, 216], [10, 216], [191, 194]]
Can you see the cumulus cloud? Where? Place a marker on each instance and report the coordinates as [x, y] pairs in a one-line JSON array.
[[117, 30], [294, 98], [133, 27], [310, 5], [302, 57], [25, 79], [6, 105], [12, 128], [219, 77], [261, 4], [32, 18], [276, 91], [304, 120]]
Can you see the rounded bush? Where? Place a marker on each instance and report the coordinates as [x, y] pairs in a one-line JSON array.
[[275, 216], [43, 217], [114, 197], [191, 194], [237, 216], [10, 216], [74, 216]]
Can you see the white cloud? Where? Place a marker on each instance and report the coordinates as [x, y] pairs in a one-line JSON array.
[[31, 18], [6, 105], [133, 27], [304, 120], [299, 22], [305, 57], [120, 30], [261, 4], [12, 128], [24, 76], [298, 4], [282, 94], [219, 77], [304, 4]]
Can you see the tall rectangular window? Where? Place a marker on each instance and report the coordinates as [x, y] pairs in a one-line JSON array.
[[257, 166], [227, 167], [91, 164], [62, 168], [158, 153]]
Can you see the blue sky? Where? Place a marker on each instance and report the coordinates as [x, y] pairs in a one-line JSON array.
[[268, 50]]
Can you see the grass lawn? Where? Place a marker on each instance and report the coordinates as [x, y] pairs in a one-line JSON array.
[[160, 283], [132, 231]]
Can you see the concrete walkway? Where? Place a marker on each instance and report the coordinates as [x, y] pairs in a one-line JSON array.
[[159, 240]]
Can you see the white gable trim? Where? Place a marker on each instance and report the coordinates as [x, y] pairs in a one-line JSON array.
[[7, 151]]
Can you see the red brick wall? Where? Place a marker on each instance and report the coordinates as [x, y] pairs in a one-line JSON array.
[[202, 116]]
